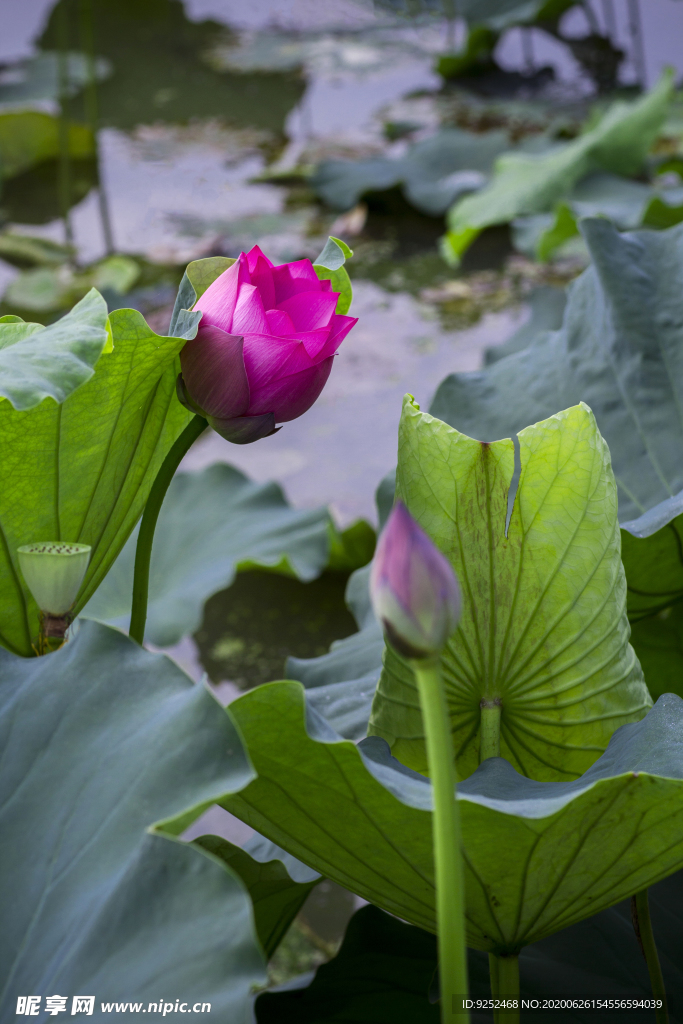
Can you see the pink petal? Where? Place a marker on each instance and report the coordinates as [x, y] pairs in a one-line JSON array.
[[268, 359], [314, 342], [249, 316], [290, 397], [280, 323], [262, 277], [310, 310], [219, 300], [340, 327], [214, 372], [253, 256], [292, 278]]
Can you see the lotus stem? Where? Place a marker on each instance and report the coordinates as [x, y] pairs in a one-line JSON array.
[[489, 735], [489, 746], [493, 974], [143, 551], [52, 633], [508, 986], [642, 924], [450, 908]]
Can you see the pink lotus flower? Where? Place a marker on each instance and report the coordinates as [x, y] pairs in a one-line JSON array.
[[414, 591], [264, 348]]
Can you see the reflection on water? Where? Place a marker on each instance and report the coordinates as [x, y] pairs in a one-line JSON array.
[[160, 71], [249, 630]]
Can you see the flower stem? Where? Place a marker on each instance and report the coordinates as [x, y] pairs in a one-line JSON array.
[[503, 970], [450, 909], [493, 973], [508, 986], [640, 912], [143, 551], [489, 730]]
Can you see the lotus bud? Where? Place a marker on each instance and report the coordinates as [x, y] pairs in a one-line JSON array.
[[53, 572], [264, 349], [414, 591]]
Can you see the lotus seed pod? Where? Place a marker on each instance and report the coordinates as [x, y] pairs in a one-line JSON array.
[[53, 572]]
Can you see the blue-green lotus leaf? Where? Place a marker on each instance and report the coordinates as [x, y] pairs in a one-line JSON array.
[[213, 523], [620, 350], [102, 740], [341, 684]]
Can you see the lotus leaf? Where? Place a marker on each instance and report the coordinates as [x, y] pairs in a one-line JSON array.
[[433, 173], [658, 642], [381, 975], [341, 685], [39, 362], [543, 631], [619, 350], [95, 902], [527, 184], [212, 523], [78, 465], [539, 856], [385, 969], [547, 305], [628, 204], [275, 896]]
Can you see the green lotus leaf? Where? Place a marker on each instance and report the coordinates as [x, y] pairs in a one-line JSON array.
[[600, 956], [39, 362], [276, 897], [81, 471], [212, 524], [628, 204], [329, 266], [652, 552], [101, 740], [381, 975], [385, 969], [619, 350], [543, 631], [658, 642], [527, 184], [201, 273], [539, 856]]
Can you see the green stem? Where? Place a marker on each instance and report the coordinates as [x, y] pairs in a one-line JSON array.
[[493, 973], [143, 551], [450, 909], [508, 986], [640, 910], [489, 730]]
